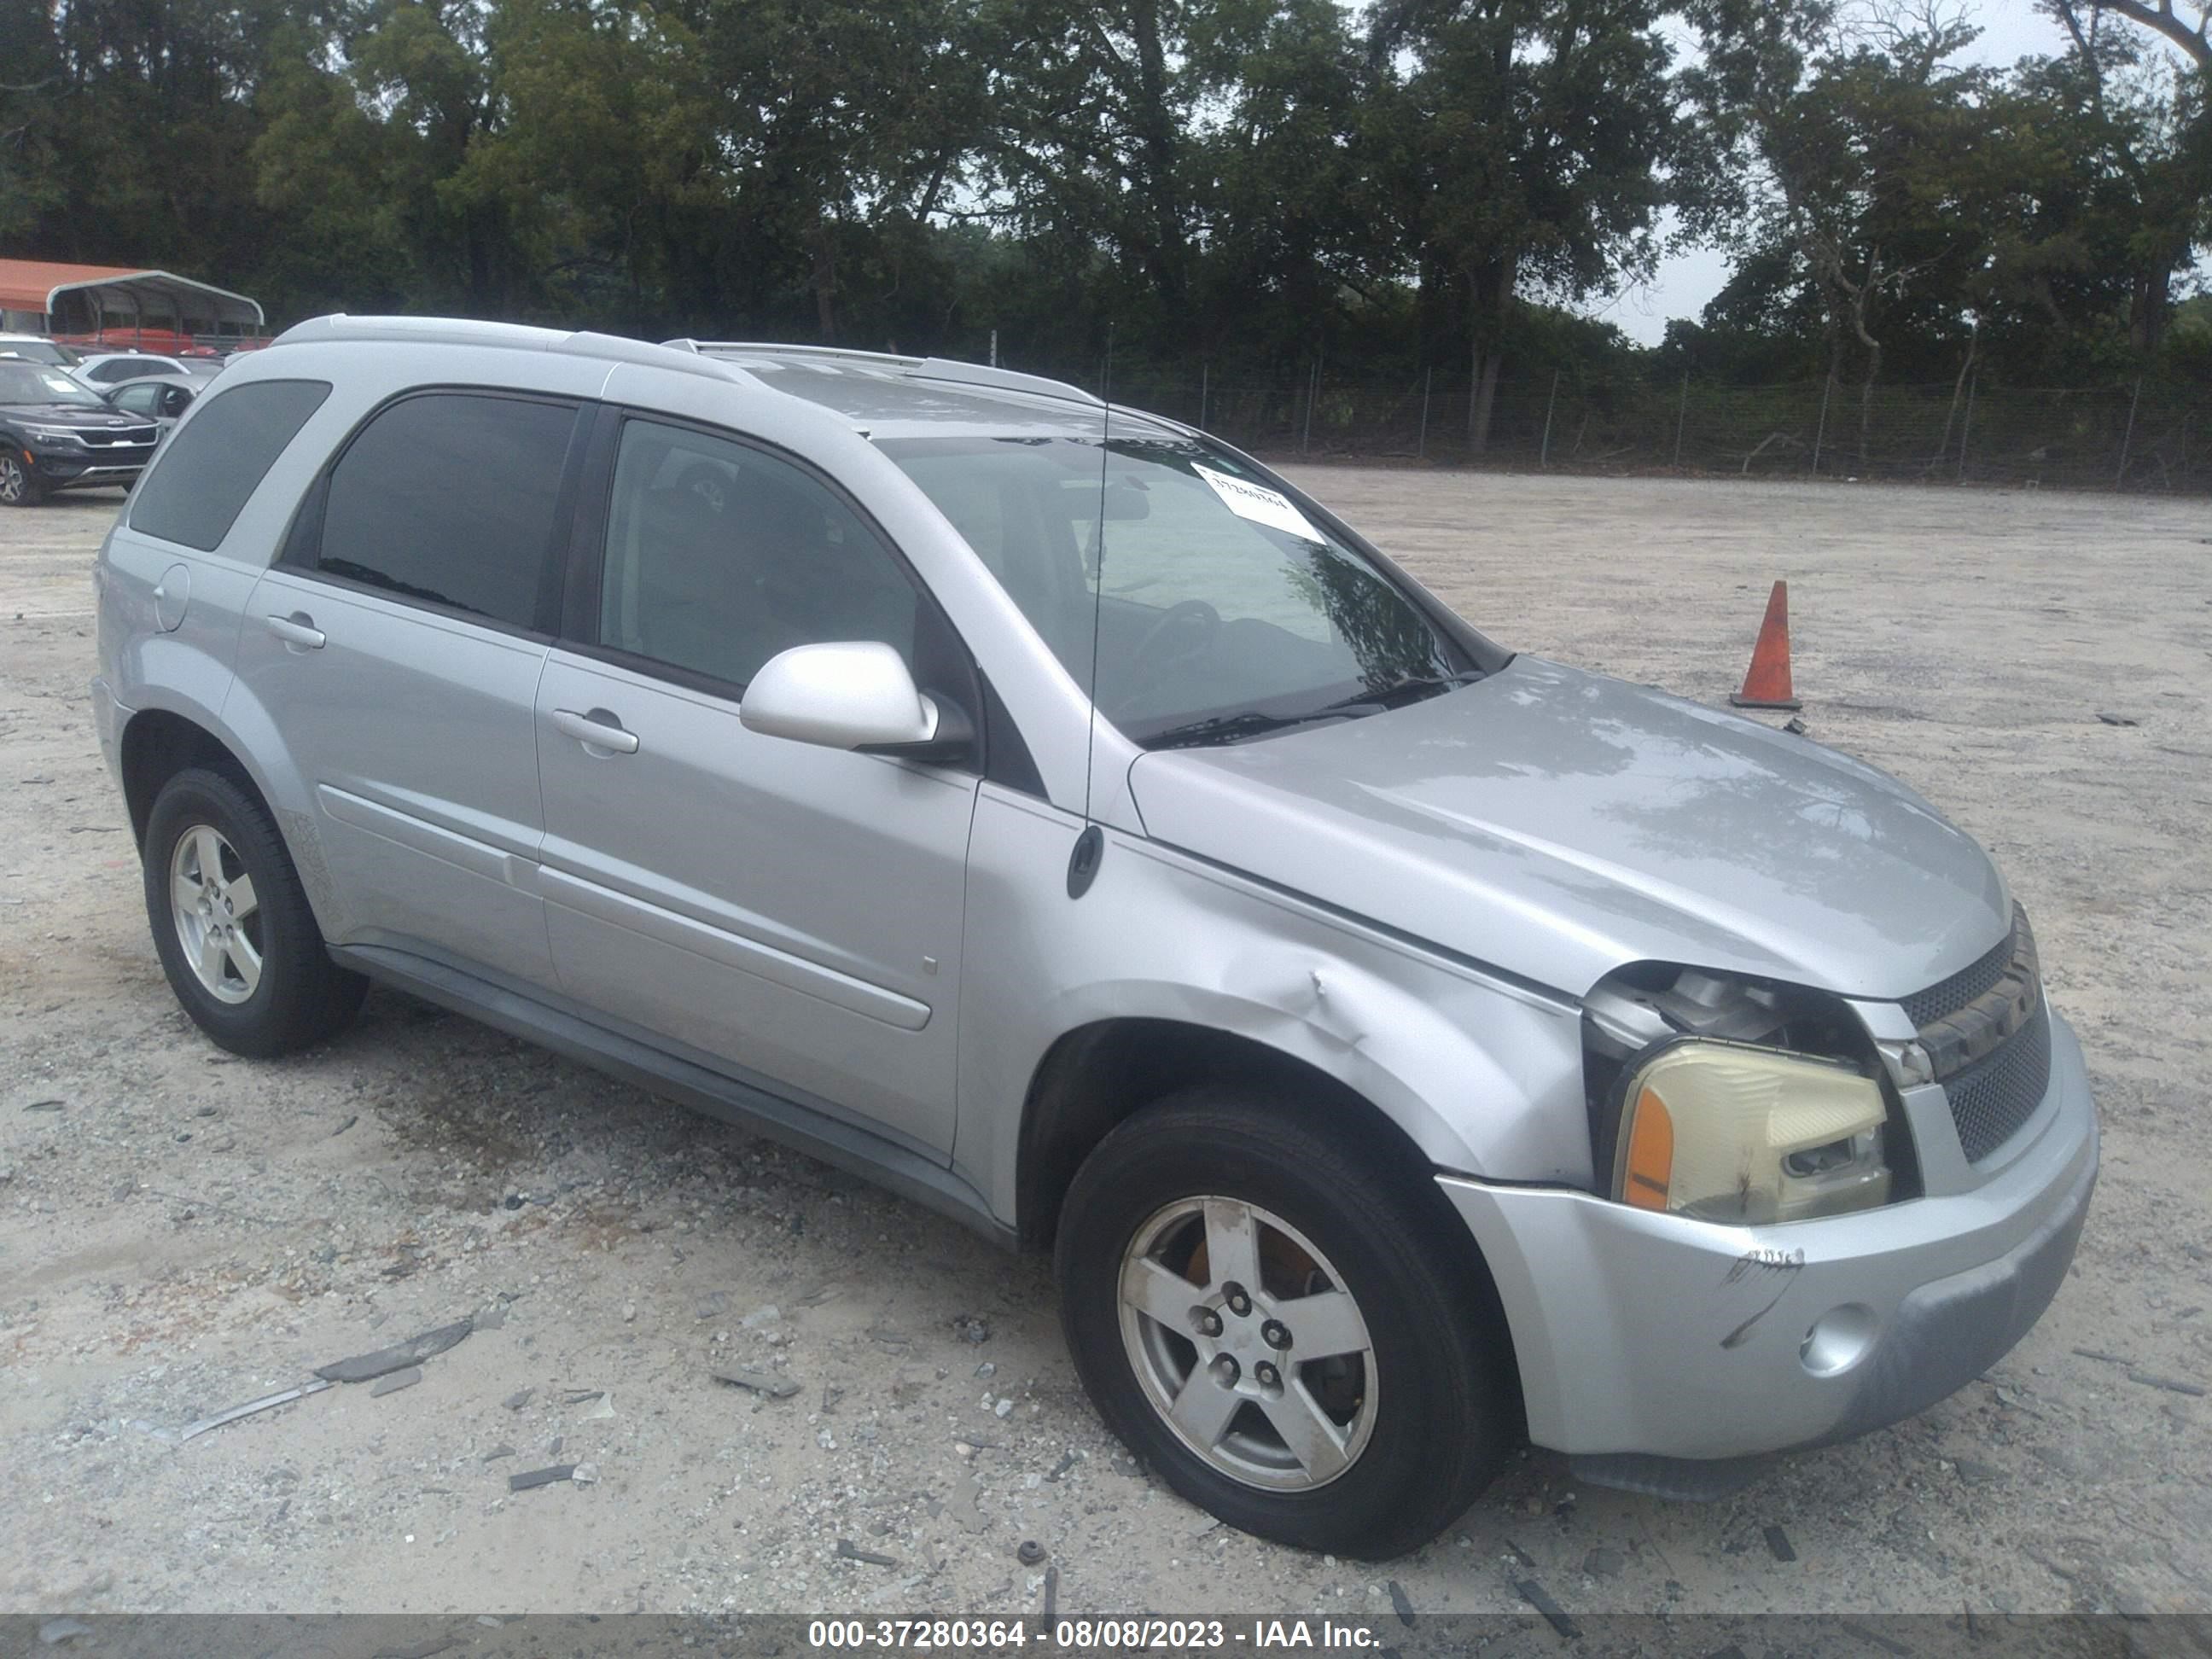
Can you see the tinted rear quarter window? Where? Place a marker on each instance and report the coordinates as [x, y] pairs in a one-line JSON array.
[[194, 495], [451, 498]]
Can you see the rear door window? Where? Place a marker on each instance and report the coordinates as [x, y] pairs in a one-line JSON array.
[[453, 499], [207, 470]]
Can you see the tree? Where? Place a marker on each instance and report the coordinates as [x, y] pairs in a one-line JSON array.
[[2146, 123], [2194, 39], [609, 121], [32, 181], [1888, 162], [1524, 144], [1090, 151], [843, 126], [1287, 245], [125, 123]]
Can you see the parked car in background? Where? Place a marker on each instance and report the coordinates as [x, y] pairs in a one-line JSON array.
[[37, 349], [1406, 1048], [109, 368], [162, 400], [58, 434]]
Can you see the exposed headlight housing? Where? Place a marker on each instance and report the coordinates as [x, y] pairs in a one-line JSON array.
[[1727, 1131], [1734, 1100]]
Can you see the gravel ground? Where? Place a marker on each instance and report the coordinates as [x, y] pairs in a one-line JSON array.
[[180, 1231]]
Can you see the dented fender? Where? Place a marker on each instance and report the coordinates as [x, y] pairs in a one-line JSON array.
[[1483, 1075]]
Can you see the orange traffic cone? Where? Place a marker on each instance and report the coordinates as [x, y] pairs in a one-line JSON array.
[[1766, 683]]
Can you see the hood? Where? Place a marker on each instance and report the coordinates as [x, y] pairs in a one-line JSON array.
[[1558, 824], [72, 414]]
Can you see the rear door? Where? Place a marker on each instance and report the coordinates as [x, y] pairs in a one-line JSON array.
[[789, 913], [398, 643]]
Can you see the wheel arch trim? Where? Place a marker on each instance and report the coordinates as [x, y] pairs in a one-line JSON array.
[[160, 710]]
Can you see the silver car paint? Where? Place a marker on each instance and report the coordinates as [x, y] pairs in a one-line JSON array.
[[1483, 1075], [1559, 823], [1398, 902], [416, 731], [684, 890], [1681, 1339]]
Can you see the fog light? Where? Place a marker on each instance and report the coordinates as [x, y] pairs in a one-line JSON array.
[[1839, 1338]]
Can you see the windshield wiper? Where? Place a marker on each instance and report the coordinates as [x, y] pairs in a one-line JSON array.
[[1227, 728], [1411, 688], [1253, 722]]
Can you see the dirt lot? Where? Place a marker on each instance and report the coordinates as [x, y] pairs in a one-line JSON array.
[[181, 1233]]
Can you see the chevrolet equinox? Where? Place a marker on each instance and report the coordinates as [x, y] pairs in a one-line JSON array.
[[1405, 1048]]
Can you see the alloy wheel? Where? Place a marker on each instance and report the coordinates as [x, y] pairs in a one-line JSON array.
[[14, 481], [217, 915], [1246, 1344]]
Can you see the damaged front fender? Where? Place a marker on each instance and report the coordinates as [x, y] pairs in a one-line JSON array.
[[1482, 1074]]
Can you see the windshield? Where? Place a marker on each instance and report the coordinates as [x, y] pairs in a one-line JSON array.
[[1225, 610], [32, 383]]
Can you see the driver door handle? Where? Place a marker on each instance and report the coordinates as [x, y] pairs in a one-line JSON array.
[[605, 732], [298, 629]]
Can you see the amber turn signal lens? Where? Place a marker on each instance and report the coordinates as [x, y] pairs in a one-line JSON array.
[[1650, 1154], [1726, 1131]]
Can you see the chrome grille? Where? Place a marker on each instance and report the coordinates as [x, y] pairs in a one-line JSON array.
[[1992, 1098]]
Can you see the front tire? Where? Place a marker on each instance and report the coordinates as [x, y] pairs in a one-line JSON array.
[[1290, 1328], [232, 925], [19, 487]]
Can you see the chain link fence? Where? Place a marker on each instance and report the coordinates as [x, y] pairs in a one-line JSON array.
[[2141, 436]]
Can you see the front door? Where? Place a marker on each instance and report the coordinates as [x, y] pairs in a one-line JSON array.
[[790, 913]]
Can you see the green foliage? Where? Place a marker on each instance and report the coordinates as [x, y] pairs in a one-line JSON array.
[[1927, 215], [1260, 186]]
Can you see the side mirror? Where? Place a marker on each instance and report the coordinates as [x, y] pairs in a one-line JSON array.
[[849, 694]]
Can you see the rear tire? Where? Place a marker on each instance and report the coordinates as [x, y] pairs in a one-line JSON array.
[[1366, 1435], [232, 925], [18, 487]]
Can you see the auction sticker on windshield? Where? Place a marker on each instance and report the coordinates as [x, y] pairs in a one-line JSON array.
[[1260, 505]]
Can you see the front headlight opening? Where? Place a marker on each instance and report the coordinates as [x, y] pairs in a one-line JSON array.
[[1726, 1131]]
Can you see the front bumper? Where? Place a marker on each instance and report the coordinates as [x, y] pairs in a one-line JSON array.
[[84, 466], [1658, 1351]]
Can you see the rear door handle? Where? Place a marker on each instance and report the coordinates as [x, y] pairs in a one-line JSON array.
[[597, 730], [298, 629]]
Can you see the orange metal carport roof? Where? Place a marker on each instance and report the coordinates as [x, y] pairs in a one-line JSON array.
[[33, 285]]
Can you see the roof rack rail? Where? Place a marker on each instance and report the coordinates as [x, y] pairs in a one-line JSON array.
[[511, 336], [781, 348], [947, 370]]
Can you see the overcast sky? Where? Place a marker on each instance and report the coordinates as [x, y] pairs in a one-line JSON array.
[[2011, 30]]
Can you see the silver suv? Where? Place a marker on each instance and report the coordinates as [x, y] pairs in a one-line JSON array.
[[1404, 1047]]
